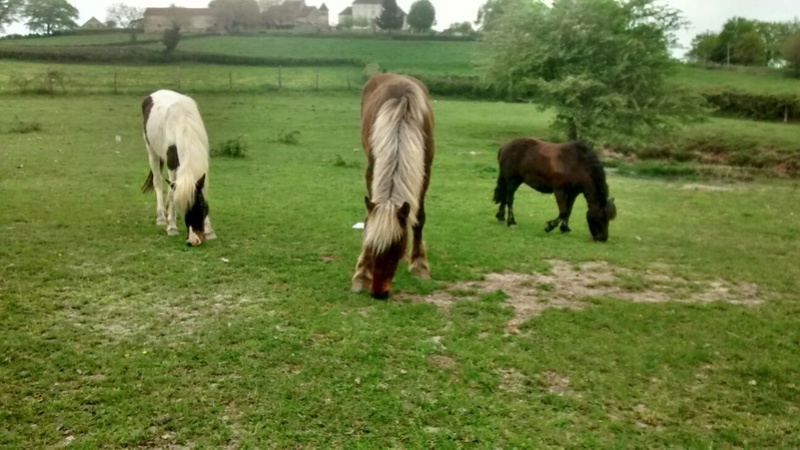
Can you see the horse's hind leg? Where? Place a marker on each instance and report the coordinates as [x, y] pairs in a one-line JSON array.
[[571, 196], [363, 274], [500, 197], [511, 188], [419, 258], [561, 199]]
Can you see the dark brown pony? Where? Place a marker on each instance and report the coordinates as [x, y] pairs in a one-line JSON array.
[[397, 135], [565, 170]]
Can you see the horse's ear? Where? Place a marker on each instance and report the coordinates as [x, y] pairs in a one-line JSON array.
[[370, 206], [201, 182], [404, 211]]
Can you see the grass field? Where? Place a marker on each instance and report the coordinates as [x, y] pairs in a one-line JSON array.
[[116, 335], [768, 82], [417, 57]]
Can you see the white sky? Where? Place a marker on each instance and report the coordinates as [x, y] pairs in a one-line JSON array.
[[703, 14]]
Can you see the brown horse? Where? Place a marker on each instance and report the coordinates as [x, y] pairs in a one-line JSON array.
[[566, 170], [397, 135]]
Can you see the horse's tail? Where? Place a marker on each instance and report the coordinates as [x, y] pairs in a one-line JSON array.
[[500, 190], [148, 183], [398, 144]]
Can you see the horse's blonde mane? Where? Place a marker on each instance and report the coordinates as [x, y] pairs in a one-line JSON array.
[[397, 141]]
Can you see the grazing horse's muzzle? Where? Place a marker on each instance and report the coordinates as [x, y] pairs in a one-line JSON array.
[[380, 295], [195, 238]]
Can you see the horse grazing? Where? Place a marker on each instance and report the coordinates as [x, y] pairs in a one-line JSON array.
[[174, 132], [397, 135], [566, 170]]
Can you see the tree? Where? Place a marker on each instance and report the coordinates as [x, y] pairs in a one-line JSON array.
[[10, 10], [602, 65], [236, 14], [124, 16], [421, 16], [391, 17], [492, 10], [749, 49], [791, 53], [703, 47], [172, 37], [48, 16], [460, 27]]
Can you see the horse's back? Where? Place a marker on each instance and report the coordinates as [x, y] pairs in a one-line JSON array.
[[540, 164], [166, 115]]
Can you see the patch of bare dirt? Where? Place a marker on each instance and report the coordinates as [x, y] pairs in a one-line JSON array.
[[512, 380], [555, 383], [442, 361], [567, 285], [705, 187]]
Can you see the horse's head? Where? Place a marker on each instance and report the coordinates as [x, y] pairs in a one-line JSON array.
[[195, 216], [388, 249], [598, 218]]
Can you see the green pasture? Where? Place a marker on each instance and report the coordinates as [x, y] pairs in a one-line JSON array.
[[763, 81], [115, 335], [101, 79], [419, 57]]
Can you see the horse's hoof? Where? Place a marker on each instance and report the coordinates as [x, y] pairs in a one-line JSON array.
[[549, 228], [211, 236], [161, 222], [359, 284], [512, 225], [172, 232], [420, 270], [566, 230]]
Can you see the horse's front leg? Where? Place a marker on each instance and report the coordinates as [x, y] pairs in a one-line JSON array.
[[419, 258], [571, 196], [172, 226], [561, 199], [363, 274], [158, 186], [209, 232]]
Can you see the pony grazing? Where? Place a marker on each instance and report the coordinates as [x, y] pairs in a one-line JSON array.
[[174, 132], [563, 169], [397, 135]]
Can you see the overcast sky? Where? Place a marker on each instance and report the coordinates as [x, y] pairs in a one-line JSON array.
[[703, 14]]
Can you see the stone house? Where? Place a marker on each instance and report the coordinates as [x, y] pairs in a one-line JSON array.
[[93, 24], [366, 11], [191, 20], [296, 14]]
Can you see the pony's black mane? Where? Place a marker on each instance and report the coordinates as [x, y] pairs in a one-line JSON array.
[[596, 171]]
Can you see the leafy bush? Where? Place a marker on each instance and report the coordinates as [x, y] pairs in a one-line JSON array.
[[288, 137], [747, 105], [341, 162], [24, 127], [232, 148]]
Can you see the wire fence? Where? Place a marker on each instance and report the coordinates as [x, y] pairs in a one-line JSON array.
[[30, 78]]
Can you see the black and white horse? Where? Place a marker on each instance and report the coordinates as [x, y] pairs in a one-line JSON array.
[[174, 132]]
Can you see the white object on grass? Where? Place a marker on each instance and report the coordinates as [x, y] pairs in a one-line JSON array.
[[359, 226]]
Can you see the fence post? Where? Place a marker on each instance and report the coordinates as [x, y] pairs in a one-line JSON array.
[[280, 77], [178, 79], [115, 82]]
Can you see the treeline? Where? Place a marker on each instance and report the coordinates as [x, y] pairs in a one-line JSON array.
[[748, 42]]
